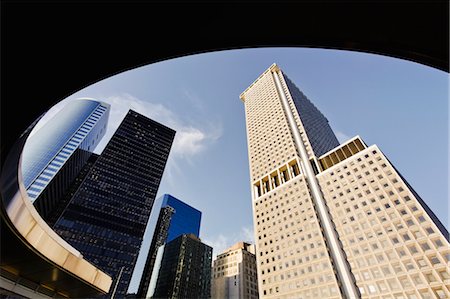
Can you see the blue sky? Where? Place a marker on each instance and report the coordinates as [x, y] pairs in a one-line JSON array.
[[401, 106]]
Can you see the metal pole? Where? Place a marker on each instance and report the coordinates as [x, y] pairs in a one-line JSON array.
[[117, 283]]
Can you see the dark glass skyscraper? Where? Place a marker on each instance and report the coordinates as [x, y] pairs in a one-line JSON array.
[[174, 219], [52, 216], [185, 269], [107, 216]]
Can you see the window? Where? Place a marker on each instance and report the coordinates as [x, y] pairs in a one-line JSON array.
[[425, 246], [438, 243], [421, 262], [412, 249], [434, 260]]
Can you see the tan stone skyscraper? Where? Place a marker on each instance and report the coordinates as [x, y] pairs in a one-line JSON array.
[[234, 273], [331, 220]]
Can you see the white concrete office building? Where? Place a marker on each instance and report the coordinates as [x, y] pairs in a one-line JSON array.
[[333, 220]]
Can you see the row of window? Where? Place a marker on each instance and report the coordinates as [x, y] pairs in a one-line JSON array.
[[384, 233], [63, 155]]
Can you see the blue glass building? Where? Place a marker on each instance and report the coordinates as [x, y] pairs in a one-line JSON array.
[[173, 219], [185, 219], [79, 125]]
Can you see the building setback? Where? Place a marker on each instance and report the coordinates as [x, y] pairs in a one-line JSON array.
[[185, 270], [234, 273], [174, 218], [330, 220], [106, 218], [55, 154]]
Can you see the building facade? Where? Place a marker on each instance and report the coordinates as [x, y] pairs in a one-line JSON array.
[[234, 273], [185, 270], [54, 154], [53, 216], [330, 220], [107, 216], [174, 218]]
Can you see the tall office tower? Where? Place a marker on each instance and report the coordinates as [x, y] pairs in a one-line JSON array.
[[107, 216], [185, 269], [333, 221], [64, 200], [173, 219], [55, 153], [234, 273]]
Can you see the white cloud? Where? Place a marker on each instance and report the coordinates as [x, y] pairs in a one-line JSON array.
[[247, 233], [193, 99], [189, 141], [221, 242]]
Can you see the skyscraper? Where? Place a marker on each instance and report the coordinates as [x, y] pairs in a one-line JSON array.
[[330, 220], [173, 219], [55, 153], [53, 215], [107, 216], [234, 273], [185, 269]]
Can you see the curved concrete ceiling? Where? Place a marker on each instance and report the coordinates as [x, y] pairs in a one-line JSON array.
[[33, 256], [53, 50]]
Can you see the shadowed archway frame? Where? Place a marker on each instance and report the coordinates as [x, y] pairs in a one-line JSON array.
[[51, 50]]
